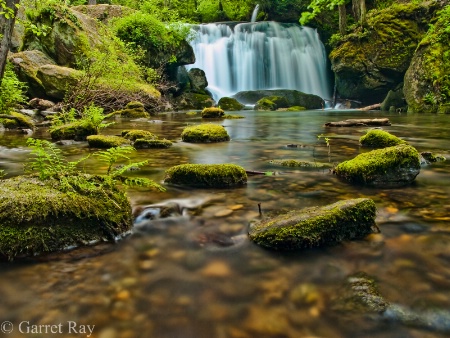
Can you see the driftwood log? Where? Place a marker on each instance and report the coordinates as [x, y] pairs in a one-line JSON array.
[[371, 107], [359, 122]]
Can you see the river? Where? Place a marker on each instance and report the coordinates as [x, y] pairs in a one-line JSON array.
[[175, 278]]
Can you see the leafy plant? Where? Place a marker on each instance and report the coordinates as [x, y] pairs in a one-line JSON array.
[[12, 91]]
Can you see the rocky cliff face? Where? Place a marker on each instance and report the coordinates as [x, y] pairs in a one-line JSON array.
[[374, 58], [427, 80]]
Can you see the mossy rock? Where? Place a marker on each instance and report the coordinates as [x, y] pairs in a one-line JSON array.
[[106, 141], [205, 133], [135, 105], [16, 120], [145, 143], [376, 138], [135, 134], [36, 217], [300, 164], [293, 97], [132, 113], [206, 175], [233, 117], [230, 104], [316, 226], [78, 130], [193, 101], [212, 112], [265, 104], [389, 167], [430, 157]]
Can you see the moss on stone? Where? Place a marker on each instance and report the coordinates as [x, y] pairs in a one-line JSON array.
[[205, 133], [317, 226], [377, 138], [391, 166], [295, 108], [212, 112], [135, 134], [206, 175], [106, 141], [133, 113], [134, 105], [78, 130], [233, 116], [265, 104], [146, 143], [300, 164], [230, 104], [16, 120], [36, 217]]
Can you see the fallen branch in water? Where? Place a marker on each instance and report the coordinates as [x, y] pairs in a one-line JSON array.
[[371, 107], [359, 122]]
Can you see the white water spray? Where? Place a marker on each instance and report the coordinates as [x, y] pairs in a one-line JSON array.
[[261, 55], [255, 13]]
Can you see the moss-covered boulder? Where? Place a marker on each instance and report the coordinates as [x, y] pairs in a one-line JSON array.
[[427, 81], [292, 163], [368, 64], [205, 133], [430, 157], [78, 130], [293, 97], [36, 217], [146, 143], [57, 79], [295, 108], [376, 138], [133, 109], [206, 175], [189, 100], [265, 104], [135, 134], [316, 226], [389, 167], [230, 104], [197, 80], [211, 113], [106, 141], [16, 120]]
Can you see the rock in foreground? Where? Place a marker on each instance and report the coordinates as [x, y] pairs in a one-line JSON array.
[[206, 175], [316, 226], [36, 217], [389, 167]]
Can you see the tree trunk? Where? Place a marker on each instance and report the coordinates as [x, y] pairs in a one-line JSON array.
[[342, 19], [359, 10], [6, 29]]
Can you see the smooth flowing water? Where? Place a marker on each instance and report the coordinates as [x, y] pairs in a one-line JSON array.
[[261, 55], [197, 276]]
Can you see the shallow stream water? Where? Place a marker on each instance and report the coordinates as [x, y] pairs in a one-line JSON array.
[[174, 279]]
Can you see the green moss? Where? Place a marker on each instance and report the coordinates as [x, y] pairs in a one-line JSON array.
[[295, 108], [36, 217], [205, 133], [135, 134], [17, 120], [366, 168], [265, 104], [377, 138], [207, 175], [133, 113], [230, 104], [232, 116], [135, 105], [212, 113], [433, 157], [78, 130], [300, 164], [191, 113], [151, 143], [317, 226], [106, 141]]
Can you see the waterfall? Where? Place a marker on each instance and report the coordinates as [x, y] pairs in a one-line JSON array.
[[261, 55], [255, 13]]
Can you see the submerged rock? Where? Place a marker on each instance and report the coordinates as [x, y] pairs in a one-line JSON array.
[[37, 216], [316, 226], [106, 141], [78, 131], [389, 167], [206, 175]]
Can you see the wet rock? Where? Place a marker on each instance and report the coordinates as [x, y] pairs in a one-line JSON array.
[[205, 133], [430, 157], [230, 104], [317, 226], [41, 104], [197, 79], [389, 167], [376, 138], [212, 113], [293, 97]]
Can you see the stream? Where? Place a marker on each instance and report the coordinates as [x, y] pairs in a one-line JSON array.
[[195, 274]]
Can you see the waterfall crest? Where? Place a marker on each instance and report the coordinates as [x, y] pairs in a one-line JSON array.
[[255, 13], [261, 55]]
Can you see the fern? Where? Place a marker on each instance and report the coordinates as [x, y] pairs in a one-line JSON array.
[[112, 155]]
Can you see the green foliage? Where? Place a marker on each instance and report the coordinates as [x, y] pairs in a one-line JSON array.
[[12, 91], [2, 173], [90, 114]]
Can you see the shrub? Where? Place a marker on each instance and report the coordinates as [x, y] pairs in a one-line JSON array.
[[12, 91]]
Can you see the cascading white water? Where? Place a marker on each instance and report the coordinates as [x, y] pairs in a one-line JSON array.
[[262, 55], [255, 13]]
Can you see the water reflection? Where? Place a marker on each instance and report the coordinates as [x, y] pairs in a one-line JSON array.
[[176, 278]]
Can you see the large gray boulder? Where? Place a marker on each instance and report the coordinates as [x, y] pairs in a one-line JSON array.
[[293, 97], [317, 226], [197, 79], [388, 167]]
